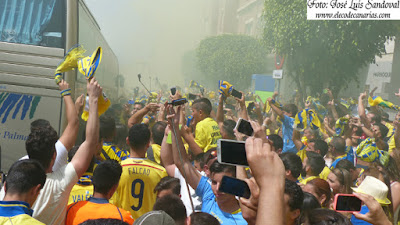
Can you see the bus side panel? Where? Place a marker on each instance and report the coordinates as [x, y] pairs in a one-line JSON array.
[[19, 106]]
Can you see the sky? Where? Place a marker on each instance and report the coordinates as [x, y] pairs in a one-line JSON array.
[[150, 37]]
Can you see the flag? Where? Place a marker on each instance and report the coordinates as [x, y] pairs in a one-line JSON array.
[[377, 100]]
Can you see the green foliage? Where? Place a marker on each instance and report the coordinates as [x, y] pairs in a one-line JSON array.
[[233, 58], [321, 53]]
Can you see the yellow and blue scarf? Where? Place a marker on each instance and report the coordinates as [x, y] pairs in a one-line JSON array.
[[319, 108], [225, 88], [307, 118], [340, 125], [193, 83], [377, 100]]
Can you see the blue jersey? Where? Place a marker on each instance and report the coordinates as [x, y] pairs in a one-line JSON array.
[[210, 205]]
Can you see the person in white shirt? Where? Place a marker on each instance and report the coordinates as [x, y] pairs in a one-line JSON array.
[[51, 204]]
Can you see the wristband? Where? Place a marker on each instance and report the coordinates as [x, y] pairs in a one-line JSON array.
[[66, 92]]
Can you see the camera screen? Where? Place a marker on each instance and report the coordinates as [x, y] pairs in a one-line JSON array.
[[234, 186], [244, 127], [233, 153], [348, 203], [236, 94]]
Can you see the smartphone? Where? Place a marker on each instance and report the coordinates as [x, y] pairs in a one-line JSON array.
[[236, 94], [232, 152], [131, 102], [173, 90], [250, 107], [243, 126], [192, 96], [347, 203], [177, 102], [235, 187]]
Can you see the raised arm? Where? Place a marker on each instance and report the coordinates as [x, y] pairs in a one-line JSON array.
[[138, 116], [260, 117], [361, 109], [70, 133], [243, 110], [167, 159], [269, 173], [220, 111], [297, 139], [367, 132], [274, 108], [331, 106], [328, 129], [396, 135], [181, 159], [189, 138], [88, 148]]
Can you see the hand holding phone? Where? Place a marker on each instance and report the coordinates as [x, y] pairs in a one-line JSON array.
[[243, 126], [236, 94], [235, 187], [347, 203]]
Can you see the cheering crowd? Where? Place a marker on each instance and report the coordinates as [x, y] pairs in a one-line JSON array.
[[152, 162]]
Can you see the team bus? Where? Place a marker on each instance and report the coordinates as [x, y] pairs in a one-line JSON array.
[[34, 36]]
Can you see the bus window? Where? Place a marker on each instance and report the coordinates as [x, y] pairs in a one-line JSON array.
[[34, 22]]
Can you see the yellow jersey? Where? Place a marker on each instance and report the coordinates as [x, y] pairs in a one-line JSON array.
[[135, 192], [325, 172], [305, 180], [302, 153], [83, 190], [207, 133], [111, 151], [153, 153]]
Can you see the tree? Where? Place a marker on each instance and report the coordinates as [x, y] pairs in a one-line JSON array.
[[233, 58], [322, 53]]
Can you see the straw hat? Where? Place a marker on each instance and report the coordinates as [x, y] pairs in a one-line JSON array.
[[375, 188], [155, 217]]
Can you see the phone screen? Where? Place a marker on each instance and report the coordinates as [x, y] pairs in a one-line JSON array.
[[232, 152], [236, 94], [244, 127], [348, 203], [235, 187]]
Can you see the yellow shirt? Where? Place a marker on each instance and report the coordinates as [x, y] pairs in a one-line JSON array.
[[83, 190], [391, 129], [207, 133], [113, 152], [304, 181], [302, 153], [80, 193], [324, 174], [19, 219], [141, 175], [154, 154]]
